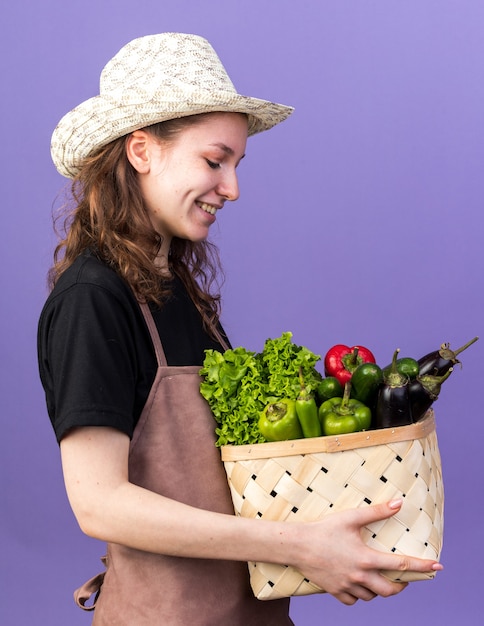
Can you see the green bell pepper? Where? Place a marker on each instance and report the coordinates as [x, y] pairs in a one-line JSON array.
[[279, 421], [344, 415]]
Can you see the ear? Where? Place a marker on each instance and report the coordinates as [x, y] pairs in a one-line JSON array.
[[138, 150]]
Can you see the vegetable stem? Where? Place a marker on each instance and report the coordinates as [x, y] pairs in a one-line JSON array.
[[465, 346]]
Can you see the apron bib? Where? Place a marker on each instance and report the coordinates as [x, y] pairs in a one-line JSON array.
[[173, 453]]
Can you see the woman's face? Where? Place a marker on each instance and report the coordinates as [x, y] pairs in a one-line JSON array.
[[188, 179]]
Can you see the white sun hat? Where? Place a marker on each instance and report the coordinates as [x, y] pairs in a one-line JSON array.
[[150, 80]]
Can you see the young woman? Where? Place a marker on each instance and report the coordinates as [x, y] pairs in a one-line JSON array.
[[122, 336]]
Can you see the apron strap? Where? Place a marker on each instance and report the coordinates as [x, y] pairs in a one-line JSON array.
[[155, 337], [90, 588]]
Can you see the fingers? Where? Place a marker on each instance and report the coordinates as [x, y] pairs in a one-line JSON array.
[[375, 583], [363, 593], [366, 594], [346, 598], [367, 515], [405, 563], [387, 566], [376, 512], [358, 570]]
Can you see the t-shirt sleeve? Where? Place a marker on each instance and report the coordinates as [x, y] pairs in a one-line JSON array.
[[88, 360]]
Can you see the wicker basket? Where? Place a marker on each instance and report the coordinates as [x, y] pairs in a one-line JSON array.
[[306, 479]]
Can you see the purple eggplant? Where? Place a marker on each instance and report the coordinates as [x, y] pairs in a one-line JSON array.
[[423, 391], [439, 362], [393, 400]]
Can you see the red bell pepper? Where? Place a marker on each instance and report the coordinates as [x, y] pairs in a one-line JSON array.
[[341, 361]]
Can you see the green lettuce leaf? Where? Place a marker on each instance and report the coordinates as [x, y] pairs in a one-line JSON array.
[[238, 384]]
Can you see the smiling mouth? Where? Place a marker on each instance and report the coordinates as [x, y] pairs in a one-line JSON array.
[[208, 208]]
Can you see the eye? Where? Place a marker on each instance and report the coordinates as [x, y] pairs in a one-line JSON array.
[[212, 164]]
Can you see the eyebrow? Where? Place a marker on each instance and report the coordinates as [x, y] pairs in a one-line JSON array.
[[227, 149]]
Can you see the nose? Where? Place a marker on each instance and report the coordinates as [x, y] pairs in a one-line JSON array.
[[228, 186]]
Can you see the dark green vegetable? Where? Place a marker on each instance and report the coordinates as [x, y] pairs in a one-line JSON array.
[[406, 366], [393, 401], [307, 411], [329, 387], [365, 382], [339, 416], [279, 421]]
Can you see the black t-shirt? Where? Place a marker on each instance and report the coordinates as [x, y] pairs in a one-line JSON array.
[[96, 357]]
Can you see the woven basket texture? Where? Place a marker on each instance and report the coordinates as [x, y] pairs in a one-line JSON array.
[[306, 487]]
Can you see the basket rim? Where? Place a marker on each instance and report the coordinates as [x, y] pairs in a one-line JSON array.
[[339, 443]]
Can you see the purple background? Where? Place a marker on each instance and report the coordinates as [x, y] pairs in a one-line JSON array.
[[360, 221]]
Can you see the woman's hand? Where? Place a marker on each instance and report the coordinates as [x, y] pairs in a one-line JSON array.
[[334, 556]]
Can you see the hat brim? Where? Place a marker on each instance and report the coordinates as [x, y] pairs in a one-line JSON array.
[[100, 120]]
